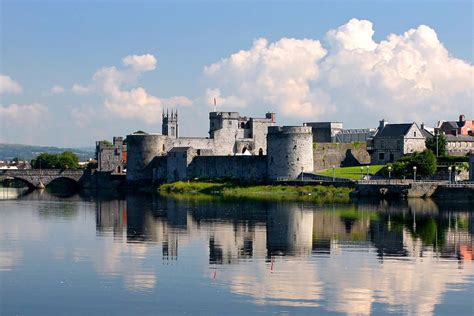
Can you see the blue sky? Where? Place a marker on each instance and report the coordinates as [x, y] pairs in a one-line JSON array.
[[48, 43]]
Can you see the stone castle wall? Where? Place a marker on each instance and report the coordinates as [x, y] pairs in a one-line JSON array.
[[289, 151], [326, 155], [249, 168]]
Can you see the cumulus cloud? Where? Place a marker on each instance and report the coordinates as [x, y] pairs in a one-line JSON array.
[[134, 102], [57, 90], [22, 122], [140, 62], [8, 85], [22, 112], [406, 77], [80, 89]]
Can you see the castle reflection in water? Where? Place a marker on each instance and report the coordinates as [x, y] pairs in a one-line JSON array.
[[250, 229]]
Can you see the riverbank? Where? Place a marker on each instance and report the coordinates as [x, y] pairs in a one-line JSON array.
[[316, 193]]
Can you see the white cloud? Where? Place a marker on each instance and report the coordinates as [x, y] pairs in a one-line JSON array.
[[134, 102], [22, 122], [57, 90], [8, 85], [22, 113], [140, 63], [355, 79], [79, 89]]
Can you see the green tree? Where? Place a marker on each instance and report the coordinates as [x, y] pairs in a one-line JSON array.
[[66, 160], [425, 163], [442, 144]]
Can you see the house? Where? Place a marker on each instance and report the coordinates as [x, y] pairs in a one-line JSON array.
[[459, 145], [393, 141], [460, 127]]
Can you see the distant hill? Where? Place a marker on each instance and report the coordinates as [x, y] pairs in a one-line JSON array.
[[28, 152]]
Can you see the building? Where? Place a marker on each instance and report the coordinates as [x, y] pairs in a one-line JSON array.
[[111, 156], [393, 141], [459, 145], [275, 152], [229, 135], [353, 135], [324, 132], [333, 132], [460, 127]]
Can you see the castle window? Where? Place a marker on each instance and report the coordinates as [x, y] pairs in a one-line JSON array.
[[230, 122], [163, 147], [260, 152], [414, 134], [242, 125], [199, 152]]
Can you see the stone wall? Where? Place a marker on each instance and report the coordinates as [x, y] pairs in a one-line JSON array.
[[142, 149], [249, 168], [289, 151], [340, 155]]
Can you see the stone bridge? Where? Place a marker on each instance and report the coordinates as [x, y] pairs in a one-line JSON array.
[[41, 178]]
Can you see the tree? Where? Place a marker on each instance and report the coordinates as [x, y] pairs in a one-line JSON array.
[[66, 160], [442, 144], [425, 163]]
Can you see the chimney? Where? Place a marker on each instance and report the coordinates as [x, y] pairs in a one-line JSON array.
[[422, 126], [462, 118], [382, 124]]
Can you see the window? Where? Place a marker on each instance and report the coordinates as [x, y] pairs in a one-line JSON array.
[[391, 157], [260, 152], [230, 122], [381, 156], [164, 147], [414, 134], [242, 125], [199, 152]]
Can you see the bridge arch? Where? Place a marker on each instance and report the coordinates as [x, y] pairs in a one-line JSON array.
[[42, 178], [23, 180]]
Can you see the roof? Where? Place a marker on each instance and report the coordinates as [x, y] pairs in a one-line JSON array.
[[454, 124], [394, 130], [459, 138], [426, 133], [179, 149]]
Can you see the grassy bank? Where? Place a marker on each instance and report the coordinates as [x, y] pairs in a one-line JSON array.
[[316, 193], [353, 173]]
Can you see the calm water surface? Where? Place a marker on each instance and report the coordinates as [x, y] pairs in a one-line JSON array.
[[146, 255]]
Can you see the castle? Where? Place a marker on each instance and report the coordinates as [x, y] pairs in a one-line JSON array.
[[251, 149]]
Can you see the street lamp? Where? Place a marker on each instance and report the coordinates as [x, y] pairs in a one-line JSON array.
[[449, 170], [334, 173], [414, 173], [368, 173], [389, 172], [361, 172]]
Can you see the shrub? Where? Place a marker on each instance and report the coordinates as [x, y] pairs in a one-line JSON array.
[[424, 161]]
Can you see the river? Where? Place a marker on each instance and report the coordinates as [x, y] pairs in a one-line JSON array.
[[145, 255]]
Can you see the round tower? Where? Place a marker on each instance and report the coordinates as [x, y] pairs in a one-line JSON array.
[[142, 148], [289, 152]]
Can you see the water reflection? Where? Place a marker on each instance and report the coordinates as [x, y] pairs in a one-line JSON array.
[[360, 258]]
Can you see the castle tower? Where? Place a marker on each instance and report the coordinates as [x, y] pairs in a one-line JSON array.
[[169, 125], [289, 151]]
